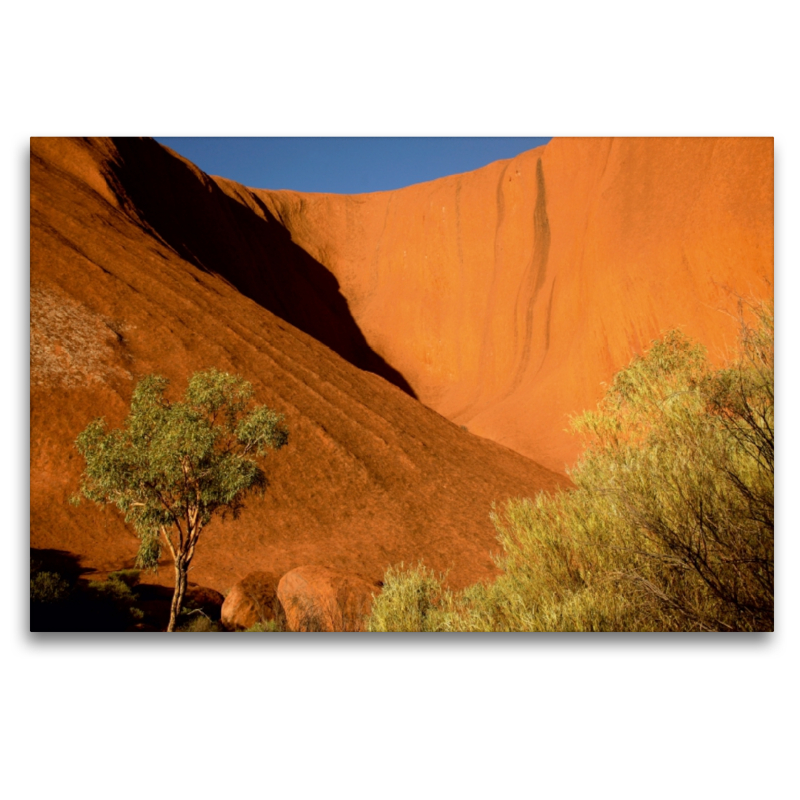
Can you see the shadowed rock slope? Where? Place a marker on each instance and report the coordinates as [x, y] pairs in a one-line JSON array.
[[506, 296], [140, 263]]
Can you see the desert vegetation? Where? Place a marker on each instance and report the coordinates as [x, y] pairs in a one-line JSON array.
[[63, 601], [322, 304], [670, 526], [173, 466]]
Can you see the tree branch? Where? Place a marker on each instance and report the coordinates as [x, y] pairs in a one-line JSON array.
[[169, 543]]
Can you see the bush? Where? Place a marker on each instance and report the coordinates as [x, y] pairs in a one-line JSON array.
[[411, 600], [129, 577], [114, 597], [199, 623], [671, 523], [113, 590], [57, 605], [49, 587], [268, 626]]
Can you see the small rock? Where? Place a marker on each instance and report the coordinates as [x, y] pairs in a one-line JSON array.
[[209, 601], [141, 627], [253, 599]]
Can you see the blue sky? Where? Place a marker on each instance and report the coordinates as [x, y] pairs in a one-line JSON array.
[[344, 165]]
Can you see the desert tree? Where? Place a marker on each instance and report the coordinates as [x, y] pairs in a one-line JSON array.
[[174, 465]]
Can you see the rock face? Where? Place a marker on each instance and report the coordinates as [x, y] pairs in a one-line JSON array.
[[318, 599], [501, 299], [207, 600], [253, 599], [117, 293], [506, 296]]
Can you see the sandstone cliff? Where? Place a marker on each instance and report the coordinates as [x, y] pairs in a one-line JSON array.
[[506, 296]]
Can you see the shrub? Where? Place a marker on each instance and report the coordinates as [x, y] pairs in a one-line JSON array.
[[199, 623], [411, 600], [49, 587], [682, 457], [56, 605], [267, 626], [129, 577], [671, 523], [114, 597]]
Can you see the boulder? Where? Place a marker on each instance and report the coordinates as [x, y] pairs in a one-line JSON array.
[[209, 601], [253, 599], [316, 598]]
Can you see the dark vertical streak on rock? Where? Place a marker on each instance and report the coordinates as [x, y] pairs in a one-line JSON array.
[[536, 273], [541, 228], [549, 314], [487, 351]]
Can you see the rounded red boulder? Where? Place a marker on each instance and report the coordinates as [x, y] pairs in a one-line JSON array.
[[316, 598], [252, 600]]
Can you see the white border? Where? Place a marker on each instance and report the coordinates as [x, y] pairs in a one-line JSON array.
[[559, 717]]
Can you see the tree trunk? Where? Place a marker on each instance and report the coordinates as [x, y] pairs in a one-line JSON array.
[[181, 568]]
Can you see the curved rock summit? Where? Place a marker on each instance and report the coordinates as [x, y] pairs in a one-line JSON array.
[[508, 295]]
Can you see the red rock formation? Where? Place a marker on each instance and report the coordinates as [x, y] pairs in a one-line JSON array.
[[129, 276], [501, 298], [201, 598], [506, 296], [253, 599], [319, 599]]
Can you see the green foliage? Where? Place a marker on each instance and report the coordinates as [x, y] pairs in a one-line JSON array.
[[116, 594], [412, 600], [267, 626], [58, 604], [199, 623], [49, 587], [129, 577], [176, 464], [682, 456], [113, 589], [671, 523]]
